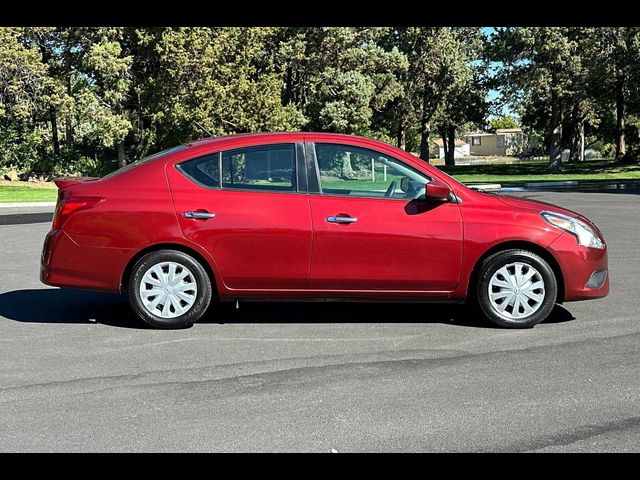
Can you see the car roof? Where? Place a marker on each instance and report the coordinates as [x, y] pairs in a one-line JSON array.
[[281, 136]]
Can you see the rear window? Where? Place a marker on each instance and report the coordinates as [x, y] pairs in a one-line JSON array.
[[144, 160]]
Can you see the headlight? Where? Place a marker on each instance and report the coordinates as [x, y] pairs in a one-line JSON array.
[[583, 232]]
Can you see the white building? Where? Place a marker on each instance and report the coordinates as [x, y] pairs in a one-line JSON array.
[[437, 149]]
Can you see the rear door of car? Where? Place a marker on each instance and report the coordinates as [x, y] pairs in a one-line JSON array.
[[249, 208]]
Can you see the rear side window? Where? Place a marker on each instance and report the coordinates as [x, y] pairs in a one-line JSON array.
[[266, 167], [203, 170]]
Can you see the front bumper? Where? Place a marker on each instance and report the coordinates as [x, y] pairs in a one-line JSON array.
[[585, 270]]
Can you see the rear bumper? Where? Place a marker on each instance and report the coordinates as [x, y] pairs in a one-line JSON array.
[[585, 270], [66, 264]]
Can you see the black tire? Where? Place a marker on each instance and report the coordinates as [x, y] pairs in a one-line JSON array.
[[494, 263], [200, 276]]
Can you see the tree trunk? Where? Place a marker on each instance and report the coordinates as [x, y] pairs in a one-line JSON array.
[[68, 133], [68, 125], [445, 144], [621, 147], [581, 135], [451, 157], [122, 157], [346, 171], [425, 128], [555, 150], [288, 92], [401, 140], [54, 131], [573, 132]]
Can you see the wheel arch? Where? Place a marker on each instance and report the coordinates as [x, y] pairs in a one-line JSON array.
[[199, 257], [522, 245]]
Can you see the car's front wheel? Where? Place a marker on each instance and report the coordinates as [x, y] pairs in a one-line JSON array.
[[169, 289], [516, 289]]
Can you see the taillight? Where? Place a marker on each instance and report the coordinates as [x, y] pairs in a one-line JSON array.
[[67, 206]]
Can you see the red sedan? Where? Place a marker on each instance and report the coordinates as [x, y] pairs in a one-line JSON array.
[[313, 216]]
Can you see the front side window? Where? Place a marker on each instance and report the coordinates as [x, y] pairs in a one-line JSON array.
[[500, 141], [268, 167], [359, 172], [476, 141]]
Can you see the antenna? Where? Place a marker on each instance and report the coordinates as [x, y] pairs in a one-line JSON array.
[[204, 129]]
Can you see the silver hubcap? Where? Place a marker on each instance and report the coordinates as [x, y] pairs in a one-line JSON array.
[[168, 290], [516, 291]]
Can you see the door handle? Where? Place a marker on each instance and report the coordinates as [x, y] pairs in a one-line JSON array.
[[199, 215], [341, 219]]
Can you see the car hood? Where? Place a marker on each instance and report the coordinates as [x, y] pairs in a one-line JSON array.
[[529, 204]]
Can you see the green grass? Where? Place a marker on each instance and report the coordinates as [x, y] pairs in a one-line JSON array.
[[11, 194], [537, 171]]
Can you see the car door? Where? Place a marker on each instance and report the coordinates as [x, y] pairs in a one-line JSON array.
[[373, 229], [250, 210]]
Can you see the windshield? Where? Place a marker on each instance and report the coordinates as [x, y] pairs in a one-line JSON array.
[[145, 159]]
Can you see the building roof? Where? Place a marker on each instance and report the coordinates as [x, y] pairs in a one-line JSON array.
[[508, 130], [499, 131], [479, 134], [440, 143]]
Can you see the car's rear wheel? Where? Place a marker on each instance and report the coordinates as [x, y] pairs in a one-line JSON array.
[[169, 289], [516, 289]]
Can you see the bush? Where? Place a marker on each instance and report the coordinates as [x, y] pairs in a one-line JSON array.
[[71, 162], [606, 149], [19, 148]]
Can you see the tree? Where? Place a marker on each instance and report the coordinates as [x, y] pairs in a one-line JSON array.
[[341, 77], [538, 67], [72, 98], [441, 68], [504, 121], [463, 103], [225, 79], [616, 75], [23, 81], [107, 86]]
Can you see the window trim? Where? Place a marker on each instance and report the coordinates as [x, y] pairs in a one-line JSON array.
[[298, 163], [313, 170]]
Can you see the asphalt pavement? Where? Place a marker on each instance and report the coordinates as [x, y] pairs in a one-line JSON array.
[[79, 373]]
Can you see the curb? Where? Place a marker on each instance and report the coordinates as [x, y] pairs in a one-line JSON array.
[[27, 204], [570, 183], [559, 185], [485, 186]]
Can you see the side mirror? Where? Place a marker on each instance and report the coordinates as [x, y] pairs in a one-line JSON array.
[[435, 190]]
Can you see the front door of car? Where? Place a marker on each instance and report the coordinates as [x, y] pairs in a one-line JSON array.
[[250, 210], [373, 228]]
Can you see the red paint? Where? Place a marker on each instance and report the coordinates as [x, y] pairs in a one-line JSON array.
[[394, 245], [437, 191], [279, 244]]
